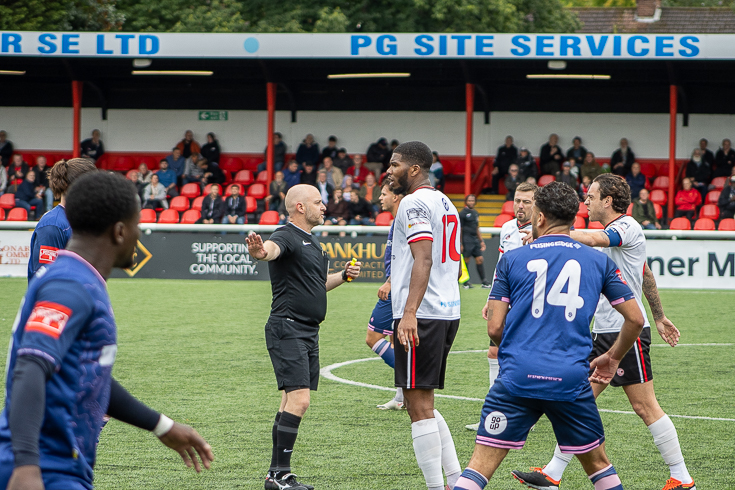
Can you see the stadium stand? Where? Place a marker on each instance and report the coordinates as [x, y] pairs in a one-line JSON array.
[[661, 182], [18, 214], [147, 216], [712, 197], [704, 224], [190, 191], [190, 217], [179, 204], [727, 224], [709, 211], [718, 183], [680, 224], [7, 201], [269, 218], [169, 216], [258, 191], [244, 178], [197, 203], [659, 197]]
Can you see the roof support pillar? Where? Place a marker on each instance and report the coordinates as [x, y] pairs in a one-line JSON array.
[[470, 109], [271, 93], [76, 95], [672, 147]]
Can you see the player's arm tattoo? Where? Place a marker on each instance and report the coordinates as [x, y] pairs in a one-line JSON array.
[[650, 290]]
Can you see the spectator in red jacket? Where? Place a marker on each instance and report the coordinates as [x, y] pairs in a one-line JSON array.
[[188, 146], [687, 200], [358, 171]]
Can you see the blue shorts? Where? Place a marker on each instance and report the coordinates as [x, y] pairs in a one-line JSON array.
[[51, 480], [507, 419], [381, 320]]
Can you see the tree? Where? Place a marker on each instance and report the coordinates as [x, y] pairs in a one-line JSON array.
[[54, 15]]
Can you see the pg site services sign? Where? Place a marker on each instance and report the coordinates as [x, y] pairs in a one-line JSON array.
[[373, 46]]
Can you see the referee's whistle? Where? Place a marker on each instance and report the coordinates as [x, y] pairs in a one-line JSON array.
[[352, 262]]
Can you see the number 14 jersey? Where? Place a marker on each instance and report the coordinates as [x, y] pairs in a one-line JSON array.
[[427, 214], [553, 286]]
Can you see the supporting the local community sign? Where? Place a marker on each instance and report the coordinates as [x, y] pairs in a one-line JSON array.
[[376, 46]]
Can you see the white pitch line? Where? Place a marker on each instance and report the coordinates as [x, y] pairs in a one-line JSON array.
[[326, 372]]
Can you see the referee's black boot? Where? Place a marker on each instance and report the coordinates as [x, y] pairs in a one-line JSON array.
[[287, 481]]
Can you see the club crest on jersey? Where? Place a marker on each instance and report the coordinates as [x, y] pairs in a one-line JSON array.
[[446, 204], [620, 276], [47, 255], [416, 213], [48, 318], [620, 372]]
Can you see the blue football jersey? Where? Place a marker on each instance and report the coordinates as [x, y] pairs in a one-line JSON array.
[[66, 318], [52, 233], [388, 251], [553, 286]]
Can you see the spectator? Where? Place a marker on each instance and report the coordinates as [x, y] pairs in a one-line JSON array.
[[188, 146], [347, 185], [276, 200], [27, 196], [644, 212], [334, 174], [16, 172], [213, 207], [343, 160], [234, 207], [154, 194], [361, 211], [279, 154], [177, 163], [338, 212], [211, 150], [144, 174], [687, 200], [308, 175], [551, 156], [393, 145], [331, 149], [590, 168], [358, 171], [726, 202], [584, 187], [436, 172], [707, 155], [513, 180], [134, 177], [378, 156], [195, 170], [566, 176], [93, 148], [699, 172], [292, 175], [526, 166], [42, 184], [622, 159], [506, 155], [167, 178], [724, 160], [6, 148], [577, 152], [636, 180], [531, 180], [308, 151], [3, 180], [326, 190], [370, 191], [216, 175]]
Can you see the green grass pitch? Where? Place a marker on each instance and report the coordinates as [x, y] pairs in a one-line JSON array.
[[196, 351]]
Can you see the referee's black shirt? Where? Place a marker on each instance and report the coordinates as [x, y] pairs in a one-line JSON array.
[[299, 276]]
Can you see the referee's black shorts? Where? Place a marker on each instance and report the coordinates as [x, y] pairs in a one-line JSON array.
[[294, 352], [424, 366], [472, 247], [635, 366]]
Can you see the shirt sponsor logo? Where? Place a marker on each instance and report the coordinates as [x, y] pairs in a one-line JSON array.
[[48, 255], [411, 225], [543, 378], [449, 304], [552, 244], [48, 318], [416, 213], [495, 423]]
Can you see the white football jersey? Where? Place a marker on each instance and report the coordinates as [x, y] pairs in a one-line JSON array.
[[511, 237], [630, 257], [427, 214]]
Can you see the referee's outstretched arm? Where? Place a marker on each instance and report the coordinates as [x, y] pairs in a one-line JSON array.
[[261, 250]]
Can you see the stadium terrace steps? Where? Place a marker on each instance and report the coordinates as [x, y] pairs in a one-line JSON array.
[[488, 206]]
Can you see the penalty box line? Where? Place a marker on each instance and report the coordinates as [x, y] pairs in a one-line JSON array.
[[327, 373]]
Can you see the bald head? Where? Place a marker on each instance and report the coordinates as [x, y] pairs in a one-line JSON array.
[[304, 206], [300, 193]]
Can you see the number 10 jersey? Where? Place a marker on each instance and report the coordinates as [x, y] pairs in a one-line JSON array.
[[427, 214]]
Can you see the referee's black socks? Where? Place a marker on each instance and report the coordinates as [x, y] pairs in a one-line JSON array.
[[274, 455], [287, 431], [481, 271]]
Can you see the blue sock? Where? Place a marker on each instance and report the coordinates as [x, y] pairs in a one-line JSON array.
[[383, 348], [606, 479], [470, 480]]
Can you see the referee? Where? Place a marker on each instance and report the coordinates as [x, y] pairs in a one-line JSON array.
[[299, 280]]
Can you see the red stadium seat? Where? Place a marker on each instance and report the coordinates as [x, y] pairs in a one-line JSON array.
[[583, 212], [262, 176], [507, 208], [269, 218], [147, 216], [191, 190], [659, 210], [545, 179], [712, 197], [663, 170], [230, 165], [7, 201], [190, 217], [649, 170], [727, 224], [150, 162], [719, 183], [257, 190], [122, 164], [2, 214], [704, 224], [383, 219], [197, 203], [680, 224], [501, 219], [179, 203], [18, 214], [659, 197], [251, 205], [244, 177], [595, 225], [661, 182], [710, 211], [169, 216], [629, 212], [579, 223]]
